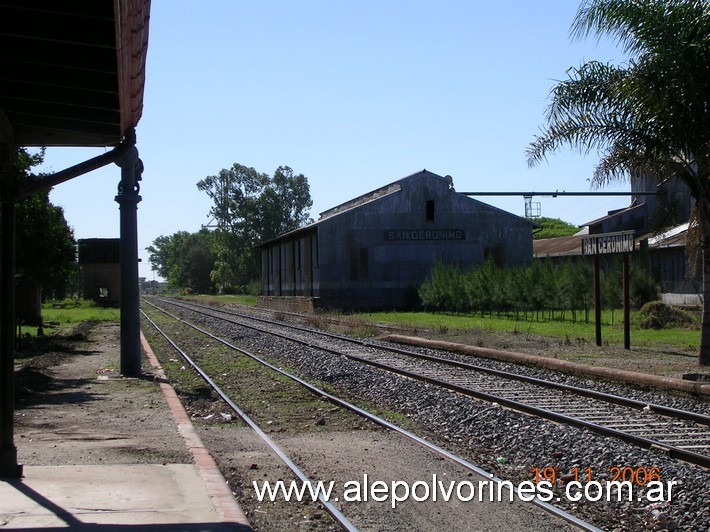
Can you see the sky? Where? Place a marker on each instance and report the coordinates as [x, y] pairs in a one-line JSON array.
[[352, 94]]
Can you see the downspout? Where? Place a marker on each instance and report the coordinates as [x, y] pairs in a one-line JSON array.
[[128, 142]]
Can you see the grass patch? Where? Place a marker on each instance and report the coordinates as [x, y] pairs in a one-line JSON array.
[[220, 301], [274, 401], [612, 327], [564, 330], [63, 316]]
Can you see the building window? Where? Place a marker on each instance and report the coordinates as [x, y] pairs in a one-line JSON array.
[[430, 211]]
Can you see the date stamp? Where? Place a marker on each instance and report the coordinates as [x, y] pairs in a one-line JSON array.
[[640, 475], [615, 483]]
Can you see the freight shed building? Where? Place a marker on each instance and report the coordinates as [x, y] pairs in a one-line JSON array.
[[374, 251]]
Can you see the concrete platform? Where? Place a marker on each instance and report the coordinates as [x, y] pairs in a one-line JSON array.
[[94, 497], [150, 473]]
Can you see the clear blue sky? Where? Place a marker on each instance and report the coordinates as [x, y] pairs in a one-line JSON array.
[[353, 94]]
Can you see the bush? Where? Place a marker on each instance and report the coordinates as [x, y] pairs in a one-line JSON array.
[[253, 288], [658, 315]]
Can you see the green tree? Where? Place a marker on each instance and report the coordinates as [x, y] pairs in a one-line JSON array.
[[649, 116], [553, 227], [185, 260], [46, 250], [251, 207], [439, 292], [162, 254]]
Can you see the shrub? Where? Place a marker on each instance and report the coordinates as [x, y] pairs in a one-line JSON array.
[[658, 315]]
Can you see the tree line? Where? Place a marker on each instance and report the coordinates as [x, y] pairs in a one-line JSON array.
[[249, 207], [545, 289], [45, 251]]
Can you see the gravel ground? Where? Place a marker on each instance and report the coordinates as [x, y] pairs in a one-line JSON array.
[[77, 379], [330, 444], [508, 443]]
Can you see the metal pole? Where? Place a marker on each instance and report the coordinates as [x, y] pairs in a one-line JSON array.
[[627, 324], [79, 169], [597, 304], [9, 468], [560, 193], [128, 199]]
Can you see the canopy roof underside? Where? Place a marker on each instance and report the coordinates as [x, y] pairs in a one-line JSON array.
[[72, 73]]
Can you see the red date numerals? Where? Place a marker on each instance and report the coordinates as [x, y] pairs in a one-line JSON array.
[[636, 475], [550, 474]]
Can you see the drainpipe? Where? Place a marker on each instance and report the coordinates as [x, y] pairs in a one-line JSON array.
[[129, 141], [10, 192]]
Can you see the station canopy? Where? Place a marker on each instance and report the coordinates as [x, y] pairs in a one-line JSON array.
[[72, 73]]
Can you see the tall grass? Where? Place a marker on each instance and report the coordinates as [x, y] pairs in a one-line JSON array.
[[612, 327], [67, 314], [239, 299]]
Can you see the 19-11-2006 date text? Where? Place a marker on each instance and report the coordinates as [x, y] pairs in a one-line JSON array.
[[636, 475]]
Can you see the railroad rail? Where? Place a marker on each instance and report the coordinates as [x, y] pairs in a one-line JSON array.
[[332, 510], [681, 434]]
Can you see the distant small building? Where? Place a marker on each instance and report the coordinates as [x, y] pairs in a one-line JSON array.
[[374, 251], [99, 260], [663, 253], [653, 205]]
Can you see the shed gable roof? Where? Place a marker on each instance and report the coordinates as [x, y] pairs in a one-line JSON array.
[[378, 195]]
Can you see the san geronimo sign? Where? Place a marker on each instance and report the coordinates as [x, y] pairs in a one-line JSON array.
[[607, 243]]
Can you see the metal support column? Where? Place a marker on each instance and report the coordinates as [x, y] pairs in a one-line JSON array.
[[9, 468], [128, 199], [627, 304], [597, 304]]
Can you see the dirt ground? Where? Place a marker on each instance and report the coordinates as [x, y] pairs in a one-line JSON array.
[[73, 407]]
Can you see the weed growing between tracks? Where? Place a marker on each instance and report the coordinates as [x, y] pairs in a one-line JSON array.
[[281, 407], [284, 410], [274, 402]]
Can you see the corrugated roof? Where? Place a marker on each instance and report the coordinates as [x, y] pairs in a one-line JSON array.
[[562, 246], [369, 197], [673, 237], [569, 246], [361, 200], [613, 214]]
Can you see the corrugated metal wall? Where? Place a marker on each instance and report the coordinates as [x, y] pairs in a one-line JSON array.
[[377, 253]]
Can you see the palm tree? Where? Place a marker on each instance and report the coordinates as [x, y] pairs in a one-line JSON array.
[[650, 116]]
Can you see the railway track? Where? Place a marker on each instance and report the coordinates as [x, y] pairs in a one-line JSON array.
[[337, 515], [681, 434]]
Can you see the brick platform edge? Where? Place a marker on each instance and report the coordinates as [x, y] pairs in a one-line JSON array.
[[222, 498], [620, 375]]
